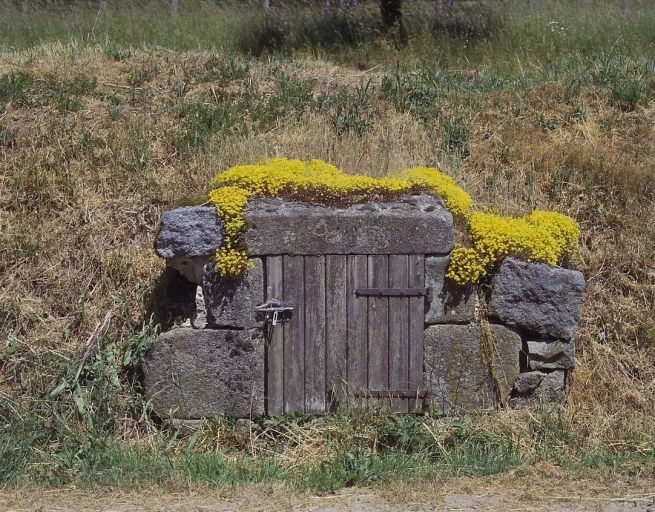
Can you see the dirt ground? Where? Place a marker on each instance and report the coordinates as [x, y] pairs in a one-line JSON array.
[[538, 491]]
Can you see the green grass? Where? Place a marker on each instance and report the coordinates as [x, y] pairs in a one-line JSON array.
[[506, 33]]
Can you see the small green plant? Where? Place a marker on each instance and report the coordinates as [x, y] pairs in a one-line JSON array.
[[456, 135], [15, 87], [116, 51], [224, 71], [351, 112]]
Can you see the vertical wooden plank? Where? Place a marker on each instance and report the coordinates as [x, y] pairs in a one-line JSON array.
[[275, 347], [357, 324], [294, 335], [399, 330], [378, 326], [315, 334], [336, 322], [416, 325]]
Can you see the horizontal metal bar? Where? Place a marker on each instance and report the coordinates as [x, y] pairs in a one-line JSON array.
[[392, 393], [392, 292]]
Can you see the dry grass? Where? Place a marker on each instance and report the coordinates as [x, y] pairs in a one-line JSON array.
[[81, 190]]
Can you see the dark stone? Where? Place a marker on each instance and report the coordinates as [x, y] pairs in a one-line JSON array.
[[527, 382], [231, 302], [551, 355], [455, 370], [538, 298], [552, 388], [450, 303], [192, 374], [413, 225], [188, 237]]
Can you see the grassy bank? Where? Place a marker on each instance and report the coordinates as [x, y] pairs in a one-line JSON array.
[[98, 136]]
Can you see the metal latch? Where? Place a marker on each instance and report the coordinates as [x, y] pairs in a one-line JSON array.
[[274, 311]]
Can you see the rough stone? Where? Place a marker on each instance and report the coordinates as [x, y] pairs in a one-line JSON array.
[[539, 387], [538, 298], [188, 237], [455, 371], [550, 355], [527, 382], [232, 302], [189, 231], [199, 316], [192, 374], [552, 387], [418, 224], [450, 303]]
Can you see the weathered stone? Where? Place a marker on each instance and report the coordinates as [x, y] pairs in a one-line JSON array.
[[538, 298], [231, 302], [193, 374], [418, 224], [188, 237], [538, 387], [189, 231], [456, 372], [527, 382], [199, 316], [552, 388], [551, 355], [450, 303]]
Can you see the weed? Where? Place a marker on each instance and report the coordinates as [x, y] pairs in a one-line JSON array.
[[116, 51], [15, 87], [224, 71], [456, 134], [350, 112]]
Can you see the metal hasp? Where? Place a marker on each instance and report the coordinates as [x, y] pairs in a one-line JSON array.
[[274, 311], [394, 292]]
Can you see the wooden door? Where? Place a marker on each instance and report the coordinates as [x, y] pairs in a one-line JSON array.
[[356, 331]]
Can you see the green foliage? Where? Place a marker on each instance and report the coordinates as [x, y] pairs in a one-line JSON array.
[[350, 112], [470, 20]]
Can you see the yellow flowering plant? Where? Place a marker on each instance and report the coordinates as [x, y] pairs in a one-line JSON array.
[[539, 236]]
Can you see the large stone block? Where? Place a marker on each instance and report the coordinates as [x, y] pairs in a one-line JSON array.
[[550, 355], [418, 224], [193, 374], [231, 302], [188, 237], [538, 298], [456, 372], [450, 303]]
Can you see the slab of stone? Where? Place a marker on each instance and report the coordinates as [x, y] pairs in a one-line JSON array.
[[551, 355], [456, 372], [189, 231], [418, 224], [193, 374], [450, 303], [231, 302], [188, 237], [538, 298]]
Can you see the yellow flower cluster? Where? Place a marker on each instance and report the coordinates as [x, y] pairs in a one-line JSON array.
[[456, 199], [314, 181], [539, 236]]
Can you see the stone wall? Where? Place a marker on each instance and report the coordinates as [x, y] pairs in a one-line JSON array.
[[509, 345]]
